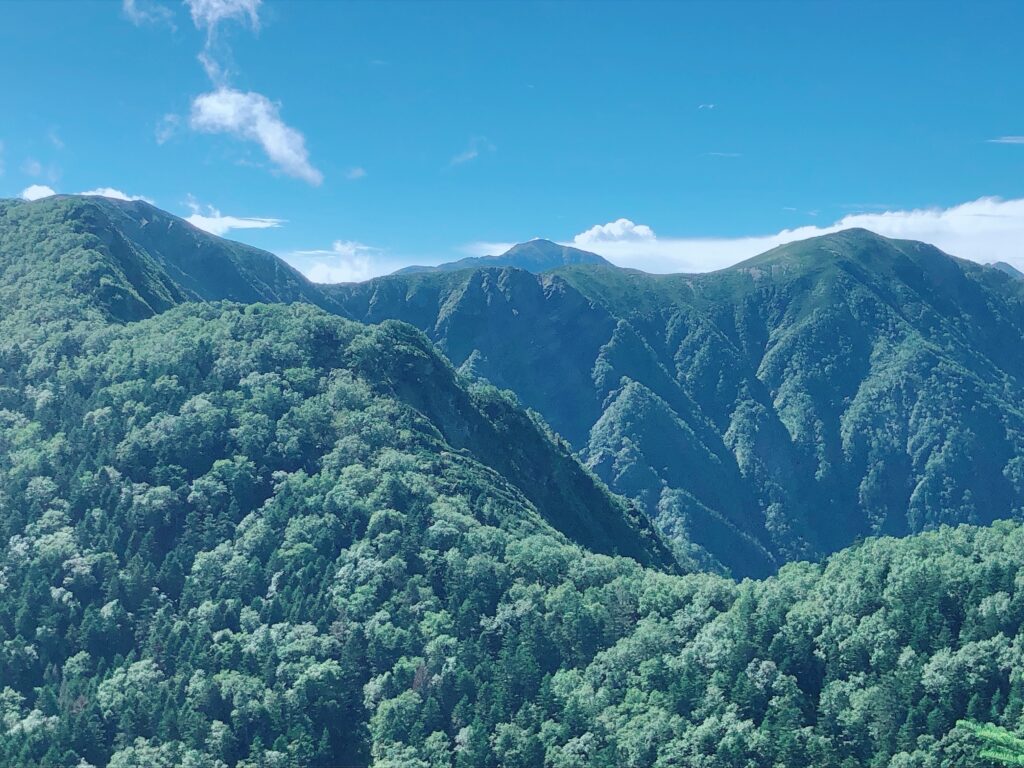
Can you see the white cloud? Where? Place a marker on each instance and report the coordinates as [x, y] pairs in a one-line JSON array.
[[39, 191], [36, 192], [253, 117], [614, 231], [347, 261], [35, 169], [115, 194], [167, 127], [477, 144], [355, 173], [706, 106], [983, 230], [213, 221], [208, 14], [142, 12], [249, 116], [1007, 140]]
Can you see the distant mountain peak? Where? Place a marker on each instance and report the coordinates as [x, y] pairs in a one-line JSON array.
[[855, 232], [845, 238], [854, 245], [1008, 269], [537, 255], [540, 244]]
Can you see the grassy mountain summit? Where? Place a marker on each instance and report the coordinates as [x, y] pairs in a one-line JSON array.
[[833, 388], [537, 255]]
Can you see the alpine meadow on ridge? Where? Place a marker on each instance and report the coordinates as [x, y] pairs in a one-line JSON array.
[[382, 480]]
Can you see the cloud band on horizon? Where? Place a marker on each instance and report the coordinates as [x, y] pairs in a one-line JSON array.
[[984, 230]]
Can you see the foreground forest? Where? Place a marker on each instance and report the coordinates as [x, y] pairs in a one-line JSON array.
[[241, 530]]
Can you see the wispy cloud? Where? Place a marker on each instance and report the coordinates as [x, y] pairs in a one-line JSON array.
[[213, 221], [249, 116], [477, 145], [346, 261], [33, 168], [1007, 140], [166, 128], [208, 15], [355, 174], [722, 154], [253, 117], [245, 115], [144, 12], [36, 192], [706, 106]]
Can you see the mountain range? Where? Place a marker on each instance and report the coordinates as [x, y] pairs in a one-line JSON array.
[[776, 410], [131, 261], [486, 517], [537, 255]]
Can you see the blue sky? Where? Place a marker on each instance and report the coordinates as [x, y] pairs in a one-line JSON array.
[[352, 138]]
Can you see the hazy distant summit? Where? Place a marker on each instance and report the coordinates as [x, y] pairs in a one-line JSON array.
[[1009, 269], [534, 256]]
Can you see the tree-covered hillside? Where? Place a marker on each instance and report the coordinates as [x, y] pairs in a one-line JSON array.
[[72, 257], [840, 387], [261, 535], [231, 541], [221, 463]]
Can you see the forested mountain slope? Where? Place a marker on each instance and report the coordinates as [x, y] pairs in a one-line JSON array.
[[97, 257], [772, 411], [262, 535], [136, 455], [71, 263], [839, 387], [231, 540]]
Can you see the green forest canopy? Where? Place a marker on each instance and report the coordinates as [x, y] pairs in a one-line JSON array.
[[259, 536]]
